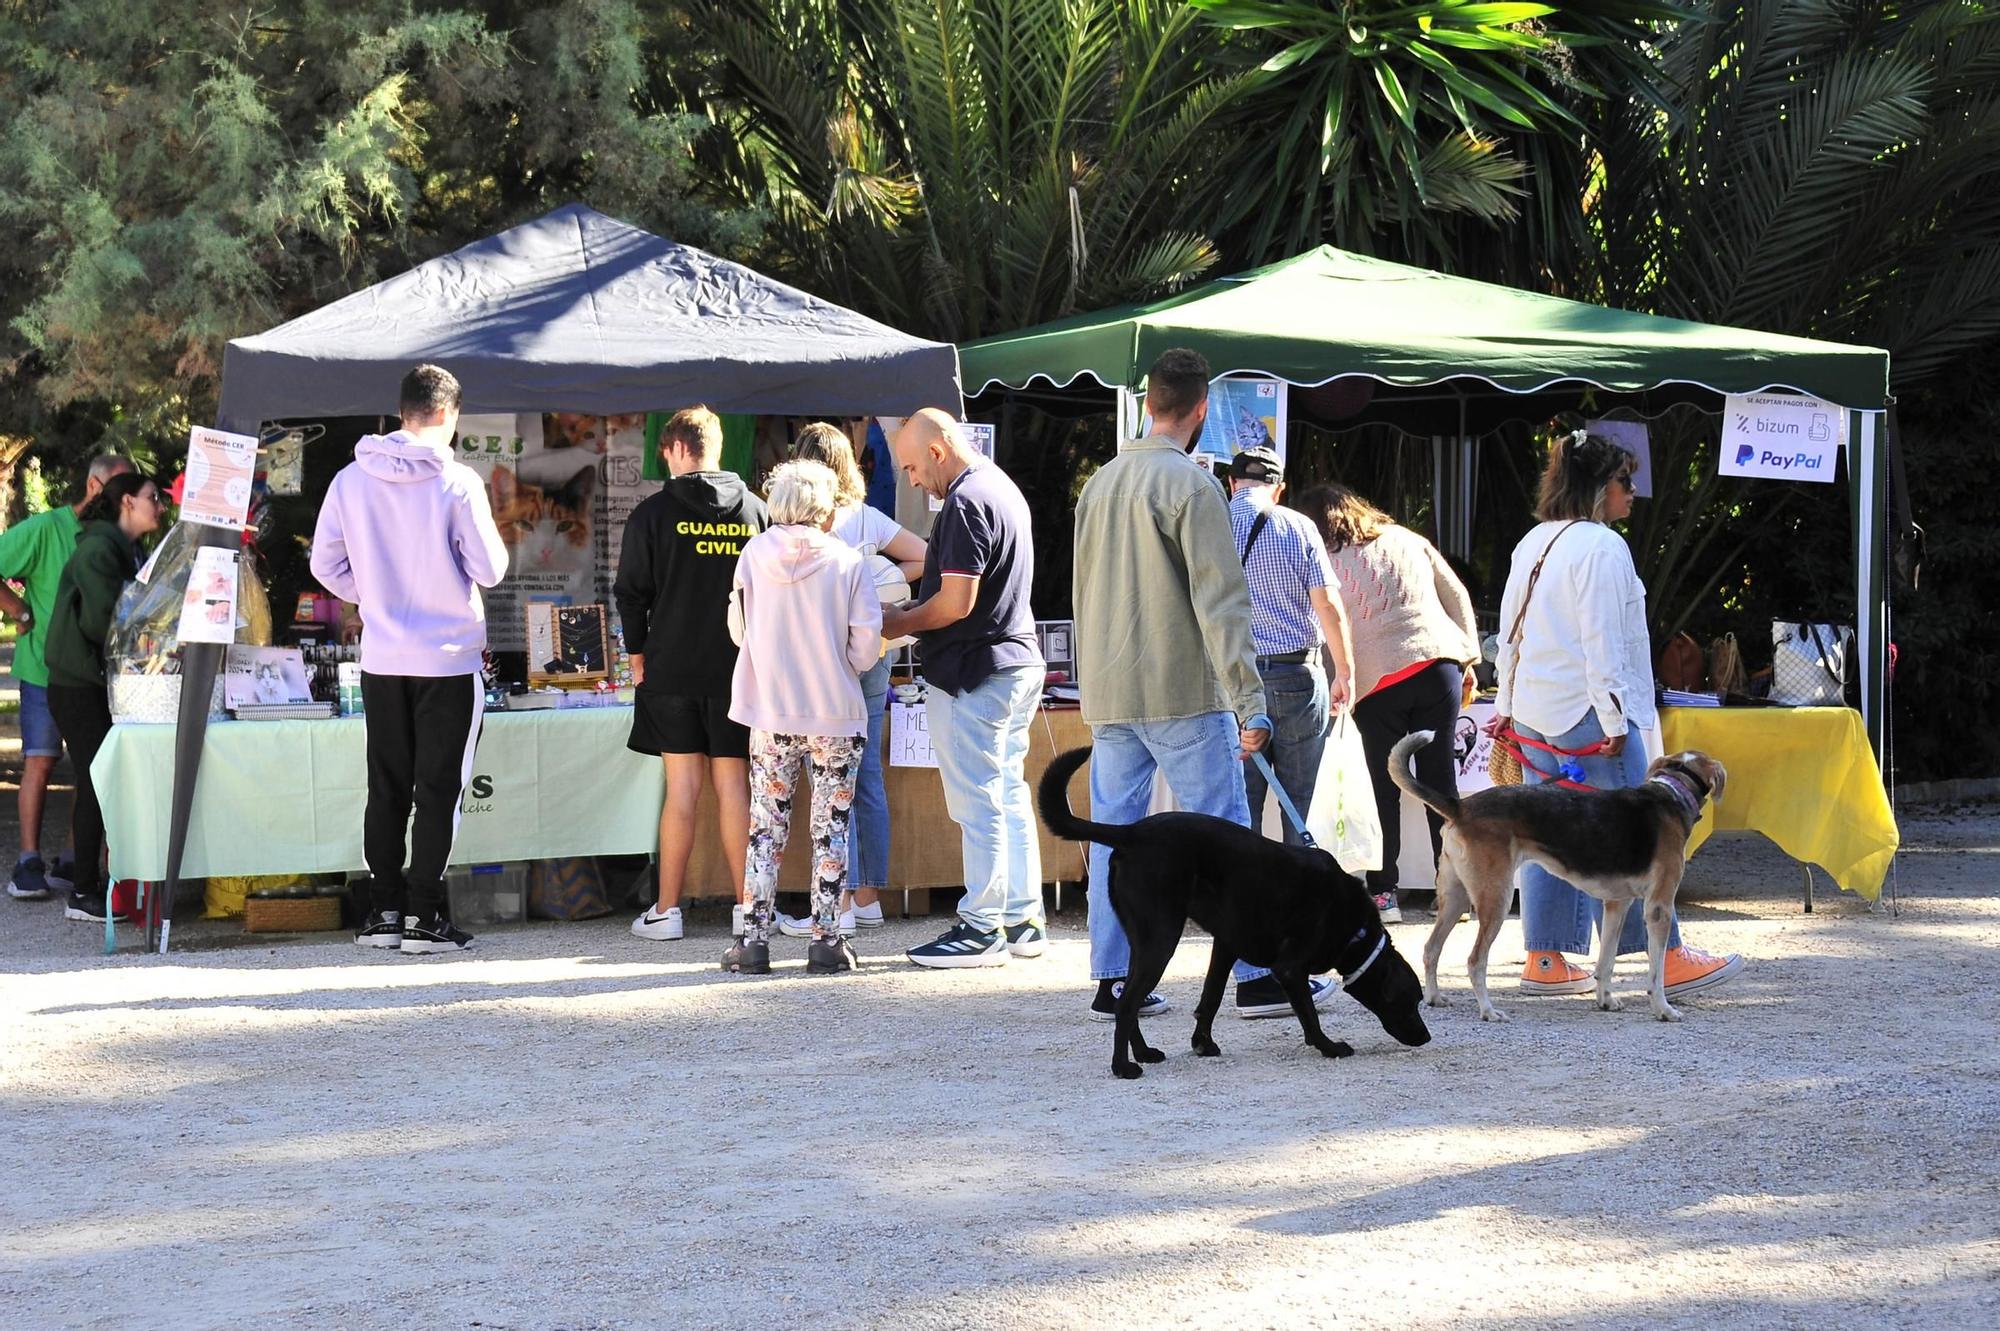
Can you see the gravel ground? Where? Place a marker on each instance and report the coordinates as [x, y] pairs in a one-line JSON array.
[[571, 1128]]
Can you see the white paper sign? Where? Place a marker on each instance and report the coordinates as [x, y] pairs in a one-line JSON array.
[[1781, 436], [1242, 413], [1634, 437], [981, 438], [219, 469], [910, 736], [208, 608]]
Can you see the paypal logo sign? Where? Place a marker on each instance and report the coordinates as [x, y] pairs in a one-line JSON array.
[[1744, 452]]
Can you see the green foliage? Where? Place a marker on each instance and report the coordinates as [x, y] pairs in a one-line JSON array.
[[1378, 125], [176, 174], [962, 167]]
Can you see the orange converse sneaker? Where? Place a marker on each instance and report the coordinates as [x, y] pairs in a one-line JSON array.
[[1551, 973], [1690, 970]]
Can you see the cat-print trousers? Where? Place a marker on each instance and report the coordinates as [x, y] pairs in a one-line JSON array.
[[774, 772]]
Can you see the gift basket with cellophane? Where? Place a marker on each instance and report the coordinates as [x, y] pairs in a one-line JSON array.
[[143, 649]]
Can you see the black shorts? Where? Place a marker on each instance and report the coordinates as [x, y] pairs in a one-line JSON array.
[[686, 723]]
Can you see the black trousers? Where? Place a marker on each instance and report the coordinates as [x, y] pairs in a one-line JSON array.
[[83, 715], [1428, 700], [421, 735]]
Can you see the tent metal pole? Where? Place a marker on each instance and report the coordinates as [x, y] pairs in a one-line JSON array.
[[1869, 472], [199, 663]]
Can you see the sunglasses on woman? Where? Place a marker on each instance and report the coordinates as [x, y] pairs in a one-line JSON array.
[[1624, 478]]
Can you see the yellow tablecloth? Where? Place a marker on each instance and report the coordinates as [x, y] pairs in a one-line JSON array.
[[1804, 777]]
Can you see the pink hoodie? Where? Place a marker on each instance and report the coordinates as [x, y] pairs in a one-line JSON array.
[[405, 533], [812, 622]]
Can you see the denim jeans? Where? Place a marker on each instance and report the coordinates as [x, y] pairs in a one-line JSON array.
[[1198, 756], [868, 848], [981, 741], [1556, 917], [1295, 698]]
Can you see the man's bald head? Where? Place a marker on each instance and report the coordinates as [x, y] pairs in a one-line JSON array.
[[931, 450]]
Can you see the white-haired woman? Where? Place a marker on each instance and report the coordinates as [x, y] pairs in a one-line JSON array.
[[808, 621], [875, 534]]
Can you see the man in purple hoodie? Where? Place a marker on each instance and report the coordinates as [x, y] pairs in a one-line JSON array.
[[405, 534]]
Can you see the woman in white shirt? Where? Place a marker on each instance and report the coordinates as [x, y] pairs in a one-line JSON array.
[[872, 532], [1580, 682]]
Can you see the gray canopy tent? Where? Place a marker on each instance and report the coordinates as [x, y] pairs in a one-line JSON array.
[[574, 311]]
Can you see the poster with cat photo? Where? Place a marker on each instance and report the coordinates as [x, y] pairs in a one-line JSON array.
[[562, 487]]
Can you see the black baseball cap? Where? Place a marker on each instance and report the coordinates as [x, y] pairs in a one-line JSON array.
[[1259, 464]]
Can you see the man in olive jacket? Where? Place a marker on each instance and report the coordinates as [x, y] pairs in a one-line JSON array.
[[1166, 667]]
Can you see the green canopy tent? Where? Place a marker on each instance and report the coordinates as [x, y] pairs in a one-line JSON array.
[[1445, 356]]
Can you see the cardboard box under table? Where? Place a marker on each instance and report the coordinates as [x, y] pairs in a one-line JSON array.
[[287, 797]]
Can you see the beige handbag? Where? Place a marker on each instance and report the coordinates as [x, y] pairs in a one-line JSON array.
[[1503, 764]]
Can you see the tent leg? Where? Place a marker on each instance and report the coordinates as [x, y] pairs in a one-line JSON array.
[[1868, 474], [199, 663], [1809, 903]]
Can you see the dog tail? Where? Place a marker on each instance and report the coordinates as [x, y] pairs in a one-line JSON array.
[[1054, 798], [1399, 772]]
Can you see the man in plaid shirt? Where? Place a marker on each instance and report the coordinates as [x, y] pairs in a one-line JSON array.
[[1294, 607]]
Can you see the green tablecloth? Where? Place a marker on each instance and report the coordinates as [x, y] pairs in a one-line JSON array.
[[287, 796]]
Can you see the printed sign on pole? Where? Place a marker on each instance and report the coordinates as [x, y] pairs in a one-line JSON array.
[[219, 468], [1780, 436], [208, 607]]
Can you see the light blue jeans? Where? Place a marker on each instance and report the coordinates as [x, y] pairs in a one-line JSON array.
[[1198, 756], [1297, 701], [1556, 917], [981, 741], [868, 847]]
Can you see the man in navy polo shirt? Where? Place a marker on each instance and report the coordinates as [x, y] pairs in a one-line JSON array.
[[976, 633]]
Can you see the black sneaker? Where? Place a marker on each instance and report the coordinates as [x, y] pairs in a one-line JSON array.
[[432, 933], [1105, 1006], [831, 956], [1265, 997], [87, 908], [62, 873], [382, 930], [1027, 939], [30, 881], [963, 945], [747, 958]]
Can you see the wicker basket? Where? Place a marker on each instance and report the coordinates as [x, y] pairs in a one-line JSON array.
[[290, 915]]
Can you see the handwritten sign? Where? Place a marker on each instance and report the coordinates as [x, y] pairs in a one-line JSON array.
[[910, 736], [219, 469]]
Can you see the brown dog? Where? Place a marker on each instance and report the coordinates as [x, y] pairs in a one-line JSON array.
[[1620, 846]]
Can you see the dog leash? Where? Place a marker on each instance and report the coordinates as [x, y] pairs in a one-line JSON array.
[[1284, 800], [1569, 772]]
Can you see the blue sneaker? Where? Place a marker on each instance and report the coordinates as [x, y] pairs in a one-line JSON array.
[[30, 881], [962, 945]]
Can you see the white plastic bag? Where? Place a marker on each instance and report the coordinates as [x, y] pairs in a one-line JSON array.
[[1342, 818]]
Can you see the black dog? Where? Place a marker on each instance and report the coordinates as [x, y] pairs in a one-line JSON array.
[[1270, 904]]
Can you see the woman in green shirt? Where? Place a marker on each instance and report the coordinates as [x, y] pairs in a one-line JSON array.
[[128, 507]]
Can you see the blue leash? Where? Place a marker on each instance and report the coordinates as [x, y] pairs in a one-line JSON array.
[[1284, 800]]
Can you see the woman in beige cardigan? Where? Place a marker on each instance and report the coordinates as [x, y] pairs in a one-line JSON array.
[[1414, 633]]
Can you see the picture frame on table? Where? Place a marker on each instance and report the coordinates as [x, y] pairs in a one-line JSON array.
[[567, 644]]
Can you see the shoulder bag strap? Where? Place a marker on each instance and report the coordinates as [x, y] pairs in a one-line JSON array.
[[1527, 595], [1256, 530]]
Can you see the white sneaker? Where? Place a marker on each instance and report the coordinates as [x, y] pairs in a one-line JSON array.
[[801, 926], [866, 917], [658, 926]]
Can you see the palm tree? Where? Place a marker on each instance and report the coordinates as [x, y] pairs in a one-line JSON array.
[[1380, 125], [964, 168], [1828, 171]]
